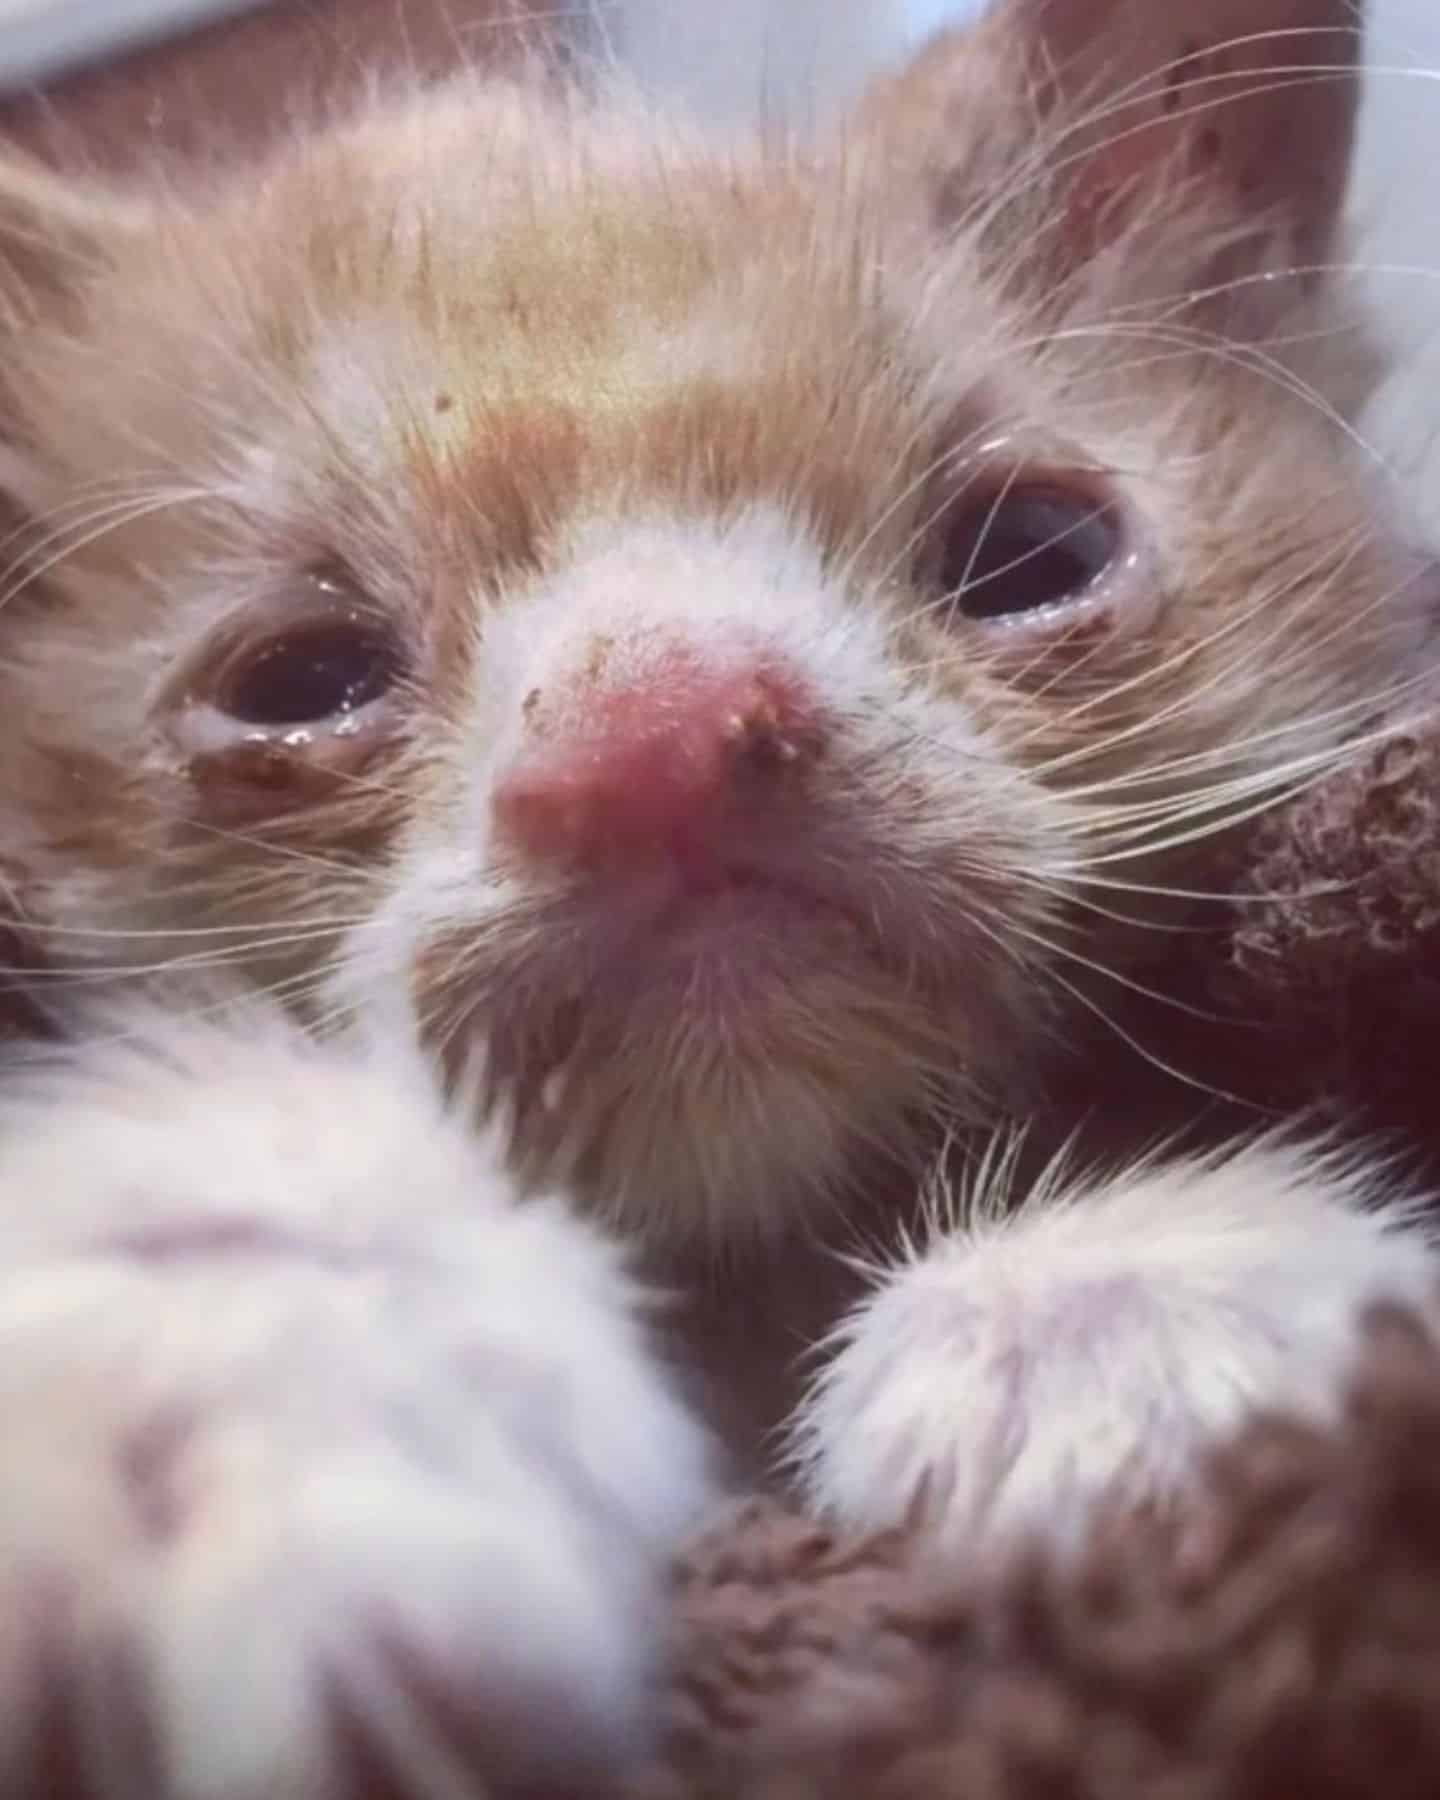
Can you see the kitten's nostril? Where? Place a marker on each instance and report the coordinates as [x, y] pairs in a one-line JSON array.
[[671, 768], [762, 739]]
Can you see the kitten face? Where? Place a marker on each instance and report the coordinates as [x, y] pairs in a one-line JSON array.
[[690, 626]]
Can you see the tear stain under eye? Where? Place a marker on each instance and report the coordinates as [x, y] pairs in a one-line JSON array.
[[259, 777], [253, 778], [207, 731], [260, 761], [305, 737]]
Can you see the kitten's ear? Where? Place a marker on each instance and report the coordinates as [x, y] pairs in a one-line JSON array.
[[1254, 101], [55, 235], [1259, 94]]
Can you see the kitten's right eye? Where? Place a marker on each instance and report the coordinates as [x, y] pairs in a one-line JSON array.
[[290, 696], [327, 656], [313, 673]]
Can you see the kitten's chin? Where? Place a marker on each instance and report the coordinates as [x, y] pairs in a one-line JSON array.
[[726, 1068], [694, 1125], [722, 1150]]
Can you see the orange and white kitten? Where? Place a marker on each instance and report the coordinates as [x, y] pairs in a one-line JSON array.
[[686, 667]]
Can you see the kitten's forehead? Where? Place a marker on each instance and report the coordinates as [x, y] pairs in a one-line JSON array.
[[586, 259], [609, 328], [470, 320]]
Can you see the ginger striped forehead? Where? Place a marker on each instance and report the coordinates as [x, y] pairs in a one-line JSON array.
[[615, 321], [473, 317]]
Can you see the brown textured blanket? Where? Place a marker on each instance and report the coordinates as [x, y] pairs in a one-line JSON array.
[[1281, 1638], [1332, 956]]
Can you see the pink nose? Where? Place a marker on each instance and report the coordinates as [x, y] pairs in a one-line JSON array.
[[668, 769]]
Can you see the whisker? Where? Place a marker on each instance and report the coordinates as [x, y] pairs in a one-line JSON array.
[[113, 520], [310, 859], [1187, 653], [1234, 753], [257, 932], [1083, 876], [83, 974], [1050, 948], [1143, 1051], [1064, 895]]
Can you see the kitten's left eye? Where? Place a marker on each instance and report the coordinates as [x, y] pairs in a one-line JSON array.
[[1031, 549]]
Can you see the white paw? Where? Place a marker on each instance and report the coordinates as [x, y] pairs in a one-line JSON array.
[[1096, 1339], [327, 1463]]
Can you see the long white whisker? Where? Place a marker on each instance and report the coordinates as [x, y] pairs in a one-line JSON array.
[[113, 521]]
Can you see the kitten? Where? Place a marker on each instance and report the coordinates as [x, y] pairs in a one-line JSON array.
[[725, 653]]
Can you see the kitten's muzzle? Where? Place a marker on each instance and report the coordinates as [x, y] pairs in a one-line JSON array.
[[672, 771]]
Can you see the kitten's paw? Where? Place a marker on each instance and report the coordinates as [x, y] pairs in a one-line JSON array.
[[1098, 1338], [329, 1467]]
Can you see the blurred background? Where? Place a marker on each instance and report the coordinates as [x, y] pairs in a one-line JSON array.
[[102, 81]]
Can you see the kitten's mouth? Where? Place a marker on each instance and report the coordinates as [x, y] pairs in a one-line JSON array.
[[718, 958], [731, 903], [715, 1037]]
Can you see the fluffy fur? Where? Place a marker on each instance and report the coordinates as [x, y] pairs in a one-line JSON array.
[[302, 1404], [613, 466], [1096, 1337]]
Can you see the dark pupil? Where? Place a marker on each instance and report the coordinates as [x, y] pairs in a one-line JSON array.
[[311, 675], [1026, 552]]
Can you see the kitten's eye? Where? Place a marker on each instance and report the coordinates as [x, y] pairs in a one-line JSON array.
[[288, 699], [318, 671], [1030, 549]]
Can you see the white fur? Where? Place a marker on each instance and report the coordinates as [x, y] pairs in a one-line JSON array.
[[1014, 1368], [294, 1392], [299, 1399]]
